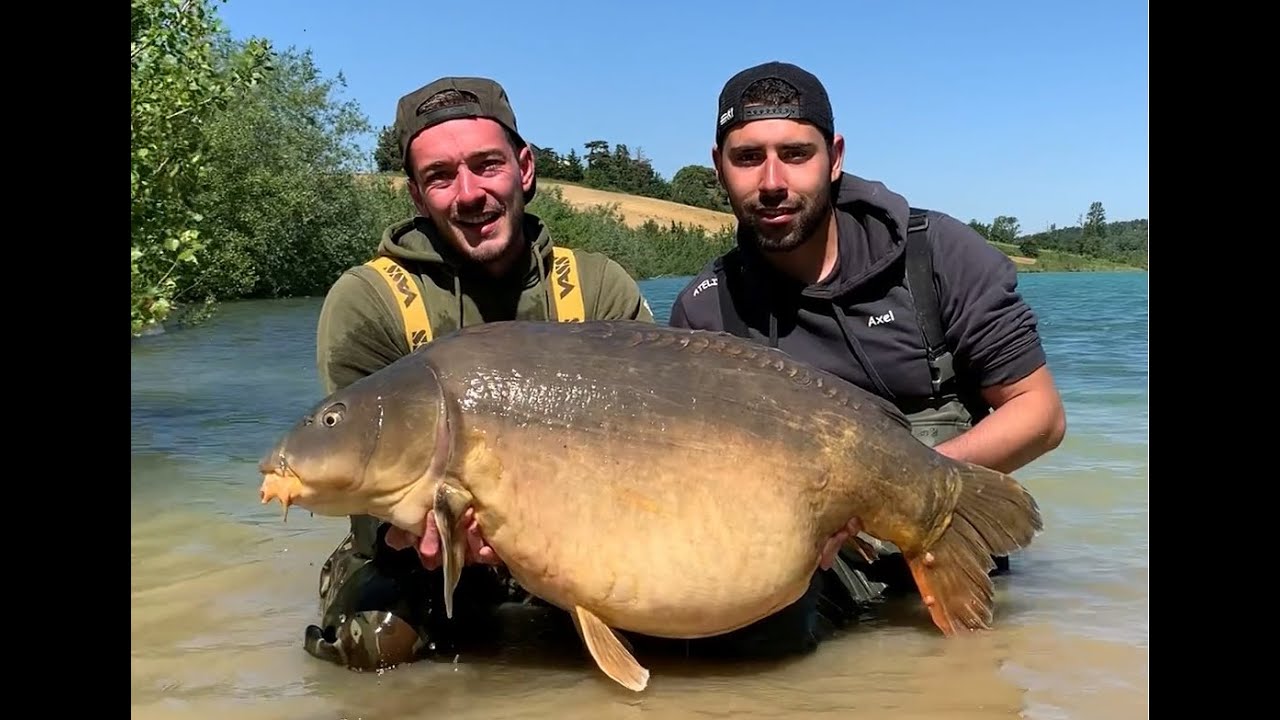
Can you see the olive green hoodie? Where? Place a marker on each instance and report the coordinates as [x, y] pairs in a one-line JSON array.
[[360, 332]]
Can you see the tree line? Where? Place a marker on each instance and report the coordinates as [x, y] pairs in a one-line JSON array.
[[1124, 241]]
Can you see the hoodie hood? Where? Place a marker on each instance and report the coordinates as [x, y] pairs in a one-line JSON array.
[[415, 241], [871, 222]]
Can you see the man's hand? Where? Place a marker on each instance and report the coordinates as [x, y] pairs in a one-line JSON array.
[[835, 542], [478, 551]]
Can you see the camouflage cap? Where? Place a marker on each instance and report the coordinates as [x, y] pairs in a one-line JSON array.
[[413, 115]]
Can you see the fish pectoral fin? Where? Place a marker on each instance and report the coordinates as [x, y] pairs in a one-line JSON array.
[[451, 503], [609, 652]]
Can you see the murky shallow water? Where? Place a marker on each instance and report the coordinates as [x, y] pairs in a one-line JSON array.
[[221, 589]]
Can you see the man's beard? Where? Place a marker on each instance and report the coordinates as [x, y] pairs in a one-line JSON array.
[[494, 248], [808, 218]]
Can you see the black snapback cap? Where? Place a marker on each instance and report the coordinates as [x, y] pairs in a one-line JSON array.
[[813, 106]]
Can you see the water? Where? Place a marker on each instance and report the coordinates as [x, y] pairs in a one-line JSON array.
[[221, 589]]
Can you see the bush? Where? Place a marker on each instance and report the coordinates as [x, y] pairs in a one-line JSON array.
[[286, 211], [177, 85]]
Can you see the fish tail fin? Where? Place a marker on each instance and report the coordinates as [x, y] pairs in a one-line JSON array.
[[994, 515]]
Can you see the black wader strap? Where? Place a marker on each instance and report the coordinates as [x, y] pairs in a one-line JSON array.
[[924, 292], [729, 317]]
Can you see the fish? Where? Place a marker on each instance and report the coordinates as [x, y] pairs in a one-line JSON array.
[[658, 480]]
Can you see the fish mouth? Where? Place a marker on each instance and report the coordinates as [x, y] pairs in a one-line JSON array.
[[283, 484]]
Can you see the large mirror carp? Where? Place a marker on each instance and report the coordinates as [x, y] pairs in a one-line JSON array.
[[664, 481]]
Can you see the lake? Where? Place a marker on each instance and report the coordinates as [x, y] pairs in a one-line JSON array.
[[221, 588]]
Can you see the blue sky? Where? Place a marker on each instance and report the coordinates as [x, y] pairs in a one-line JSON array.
[[1033, 109]]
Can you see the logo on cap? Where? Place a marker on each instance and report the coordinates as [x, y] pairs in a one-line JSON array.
[[726, 116]]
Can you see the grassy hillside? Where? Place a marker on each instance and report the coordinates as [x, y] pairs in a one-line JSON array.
[[636, 209]]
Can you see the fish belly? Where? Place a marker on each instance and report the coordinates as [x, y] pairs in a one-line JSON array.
[[655, 538]]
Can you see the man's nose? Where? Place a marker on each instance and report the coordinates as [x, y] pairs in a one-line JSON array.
[[773, 181], [469, 190]]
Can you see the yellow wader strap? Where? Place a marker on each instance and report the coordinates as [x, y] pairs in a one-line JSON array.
[[566, 288], [566, 292], [413, 311]]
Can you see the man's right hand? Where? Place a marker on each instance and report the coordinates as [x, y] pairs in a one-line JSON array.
[[428, 545]]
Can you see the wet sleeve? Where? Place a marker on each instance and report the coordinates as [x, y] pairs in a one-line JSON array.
[[620, 297], [355, 335], [990, 326]]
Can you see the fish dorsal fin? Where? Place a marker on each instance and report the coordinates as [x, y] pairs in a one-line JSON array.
[[608, 651]]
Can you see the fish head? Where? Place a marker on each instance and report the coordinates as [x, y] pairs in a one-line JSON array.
[[361, 449]]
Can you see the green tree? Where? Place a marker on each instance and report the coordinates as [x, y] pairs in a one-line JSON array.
[[696, 185], [571, 169], [1005, 229], [286, 206], [1095, 221], [177, 86], [1094, 231], [386, 155]]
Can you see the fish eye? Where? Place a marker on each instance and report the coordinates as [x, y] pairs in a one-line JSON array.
[[333, 415]]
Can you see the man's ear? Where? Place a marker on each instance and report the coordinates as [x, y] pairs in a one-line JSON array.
[[715, 163], [527, 167], [837, 157]]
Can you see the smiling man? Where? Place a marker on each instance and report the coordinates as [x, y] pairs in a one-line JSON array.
[[471, 254], [912, 305]]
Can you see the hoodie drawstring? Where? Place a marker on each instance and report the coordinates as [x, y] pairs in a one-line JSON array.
[[852, 341]]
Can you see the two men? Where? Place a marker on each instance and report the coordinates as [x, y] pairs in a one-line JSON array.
[[833, 269], [472, 254]]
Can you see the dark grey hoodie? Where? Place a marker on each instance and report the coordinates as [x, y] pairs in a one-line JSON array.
[[860, 322]]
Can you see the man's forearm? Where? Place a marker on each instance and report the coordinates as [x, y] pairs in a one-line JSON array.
[[1018, 432]]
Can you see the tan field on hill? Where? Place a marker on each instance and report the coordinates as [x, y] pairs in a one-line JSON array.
[[635, 210]]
